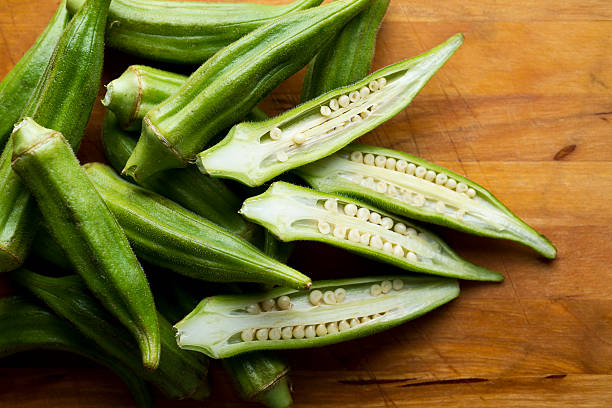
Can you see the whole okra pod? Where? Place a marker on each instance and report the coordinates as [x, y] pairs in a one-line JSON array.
[[25, 326], [87, 231], [185, 32], [19, 83], [231, 83], [62, 100], [165, 234]]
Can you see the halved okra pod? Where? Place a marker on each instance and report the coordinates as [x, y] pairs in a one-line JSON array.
[[331, 312], [87, 231], [185, 32], [297, 213], [25, 326], [231, 83], [407, 185], [253, 153], [165, 234]]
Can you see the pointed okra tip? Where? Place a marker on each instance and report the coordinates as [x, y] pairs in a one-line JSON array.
[[27, 134]]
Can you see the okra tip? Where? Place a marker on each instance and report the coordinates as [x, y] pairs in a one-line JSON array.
[[27, 135], [277, 395]]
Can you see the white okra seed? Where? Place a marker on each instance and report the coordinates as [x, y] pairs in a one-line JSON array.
[[309, 332], [332, 328], [340, 294], [410, 168], [388, 247], [325, 110], [267, 305], [365, 114], [334, 105], [411, 232], [315, 297], [355, 118], [365, 238], [376, 242], [392, 191], [253, 309], [364, 319], [357, 157], [398, 284], [460, 213], [462, 187], [369, 159], [430, 175], [275, 133], [390, 164], [418, 200], [369, 182], [375, 217], [373, 85], [375, 316], [412, 257], [407, 196], [354, 235], [382, 82], [451, 183], [364, 92], [441, 178], [283, 302], [298, 332], [274, 333], [282, 157], [287, 333], [321, 330], [299, 138], [329, 298], [386, 286], [398, 251], [380, 161], [363, 213], [340, 231], [331, 204], [353, 322], [350, 209], [343, 325], [401, 165], [440, 207], [386, 223], [262, 334], [373, 107], [420, 172], [471, 193], [344, 101], [400, 228], [375, 289], [381, 187], [324, 227], [247, 334], [354, 96]]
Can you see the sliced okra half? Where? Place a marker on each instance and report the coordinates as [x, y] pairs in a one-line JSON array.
[[297, 213], [323, 125], [331, 312], [408, 185]]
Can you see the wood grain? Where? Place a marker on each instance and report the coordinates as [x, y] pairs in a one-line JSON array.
[[525, 109]]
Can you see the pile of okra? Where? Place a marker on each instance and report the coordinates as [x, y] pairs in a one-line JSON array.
[[76, 240]]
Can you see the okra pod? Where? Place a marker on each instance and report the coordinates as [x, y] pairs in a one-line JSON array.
[[297, 213], [86, 230], [165, 234], [331, 312], [25, 326], [185, 32], [323, 125], [407, 185], [231, 83], [19, 83]]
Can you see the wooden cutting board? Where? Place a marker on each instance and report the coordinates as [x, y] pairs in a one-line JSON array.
[[525, 109]]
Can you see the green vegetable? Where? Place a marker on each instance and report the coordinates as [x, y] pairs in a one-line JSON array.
[[323, 125], [25, 326], [231, 83], [185, 32], [19, 83], [165, 234], [410, 186], [331, 312], [297, 213], [62, 101], [87, 231]]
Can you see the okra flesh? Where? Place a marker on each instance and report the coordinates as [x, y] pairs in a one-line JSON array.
[[410, 186], [331, 312], [323, 125], [297, 213]]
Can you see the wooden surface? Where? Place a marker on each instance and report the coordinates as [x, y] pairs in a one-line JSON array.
[[525, 109]]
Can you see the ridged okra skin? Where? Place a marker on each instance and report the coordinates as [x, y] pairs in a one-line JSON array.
[[19, 83], [347, 58], [322, 125], [331, 312], [165, 234], [185, 32], [26, 326], [87, 231], [231, 83], [179, 374], [62, 101], [297, 213], [410, 186]]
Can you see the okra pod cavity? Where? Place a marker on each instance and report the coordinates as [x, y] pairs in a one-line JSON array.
[[297, 213], [407, 185], [185, 32], [231, 83], [165, 234], [86, 230], [323, 125], [331, 312]]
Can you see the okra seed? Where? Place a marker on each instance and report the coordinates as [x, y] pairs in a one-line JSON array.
[[267, 305], [274, 333], [388, 247], [350, 209], [373, 107], [460, 213], [441, 178], [401, 165], [283, 302], [331, 204], [275, 133], [462, 187], [340, 294], [398, 284], [412, 257], [343, 325], [375, 217], [386, 286], [353, 322], [418, 200], [247, 335], [357, 157], [287, 332], [420, 172], [325, 110], [382, 82], [354, 235], [324, 227], [369, 182], [354, 96], [365, 114], [262, 334], [375, 289], [309, 332], [339, 231], [368, 159], [364, 319], [315, 297], [390, 164], [381, 187], [320, 330], [386, 223], [282, 157], [410, 168], [365, 238], [344, 101], [471, 193], [375, 316], [363, 213], [298, 332], [364, 92], [411, 232], [376, 242], [451, 183], [398, 251], [329, 298], [392, 191], [299, 138], [253, 309], [440, 207], [332, 328], [355, 118], [373, 85], [430, 175], [407, 196], [334, 105], [400, 228], [380, 161]]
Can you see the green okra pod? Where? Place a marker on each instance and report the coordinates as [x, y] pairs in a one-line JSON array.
[[231, 83], [25, 326], [86, 230], [62, 101], [407, 185], [165, 234], [322, 125], [297, 213], [331, 312], [185, 32], [19, 83]]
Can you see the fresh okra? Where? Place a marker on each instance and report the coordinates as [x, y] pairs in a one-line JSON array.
[[19, 83], [165, 234], [323, 125], [87, 231], [412, 187], [231, 83], [331, 312], [25, 326], [297, 213], [185, 32], [62, 100]]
